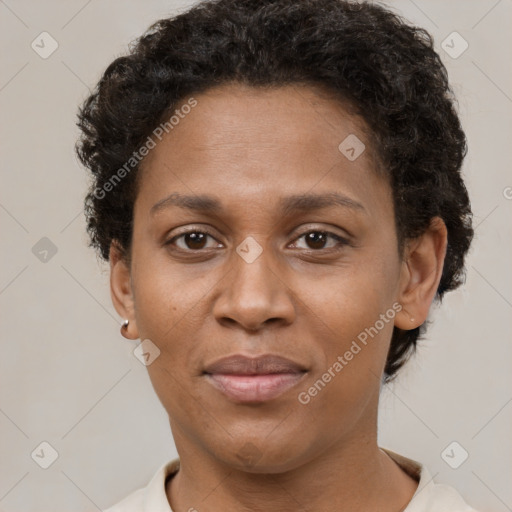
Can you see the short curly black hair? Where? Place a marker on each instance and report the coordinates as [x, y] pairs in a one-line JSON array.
[[367, 55]]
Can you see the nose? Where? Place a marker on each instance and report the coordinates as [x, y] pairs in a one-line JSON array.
[[254, 295]]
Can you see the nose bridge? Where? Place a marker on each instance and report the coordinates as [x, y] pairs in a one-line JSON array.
[[253, 292]]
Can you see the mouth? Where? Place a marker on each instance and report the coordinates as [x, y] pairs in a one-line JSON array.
[[254, 380]]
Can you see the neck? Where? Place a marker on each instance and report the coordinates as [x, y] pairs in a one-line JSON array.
[[353, 476]]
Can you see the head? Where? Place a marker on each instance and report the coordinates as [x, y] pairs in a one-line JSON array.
[[283, 178]]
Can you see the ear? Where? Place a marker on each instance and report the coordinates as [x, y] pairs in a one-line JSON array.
[[422, 268], [121, 291]]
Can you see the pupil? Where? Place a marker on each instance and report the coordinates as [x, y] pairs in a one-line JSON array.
[[195, 240], [316, 240]]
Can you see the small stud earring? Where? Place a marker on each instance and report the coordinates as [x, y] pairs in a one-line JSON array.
[[124, 326]]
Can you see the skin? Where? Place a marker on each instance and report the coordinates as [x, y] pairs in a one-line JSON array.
[[306, 301]]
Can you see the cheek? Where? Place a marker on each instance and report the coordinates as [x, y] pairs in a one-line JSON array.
[[345, 385], [166, 293], [171, 306], [352, 298], [357, 315]]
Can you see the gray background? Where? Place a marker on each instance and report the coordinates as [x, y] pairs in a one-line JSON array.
[[70, 379]]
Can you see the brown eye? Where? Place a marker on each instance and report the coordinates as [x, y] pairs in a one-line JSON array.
[[318, 240], [192, 241], [195, 240]]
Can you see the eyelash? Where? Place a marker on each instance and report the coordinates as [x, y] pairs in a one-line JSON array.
[[341, 241]]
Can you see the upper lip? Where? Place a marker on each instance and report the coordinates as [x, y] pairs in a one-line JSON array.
[[262, 365]]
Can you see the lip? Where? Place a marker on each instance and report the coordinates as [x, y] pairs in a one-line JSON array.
[[261, 365], [254, 380]]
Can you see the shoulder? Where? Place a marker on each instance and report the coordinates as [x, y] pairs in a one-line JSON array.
[[132, 502], [151, 498], [429, 496], [441, 498]]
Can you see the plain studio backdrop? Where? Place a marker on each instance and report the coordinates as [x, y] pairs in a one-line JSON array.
[[69, 379]]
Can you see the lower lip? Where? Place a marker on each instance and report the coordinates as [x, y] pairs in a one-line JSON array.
[[254, 388]]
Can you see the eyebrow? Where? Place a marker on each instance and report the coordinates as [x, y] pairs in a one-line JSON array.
[[288, 205]]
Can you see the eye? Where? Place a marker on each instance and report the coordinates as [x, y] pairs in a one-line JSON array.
[[196, 240], [192, 240], [318, 240]]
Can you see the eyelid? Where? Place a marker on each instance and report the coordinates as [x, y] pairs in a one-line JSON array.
[[191, 228], [313, 227], [186, 231], [341, 240]]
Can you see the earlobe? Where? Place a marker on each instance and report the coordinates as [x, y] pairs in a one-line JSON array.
[[121, 292], [422, 268]]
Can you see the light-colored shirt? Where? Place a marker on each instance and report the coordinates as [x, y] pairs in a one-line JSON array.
[[429, 496]]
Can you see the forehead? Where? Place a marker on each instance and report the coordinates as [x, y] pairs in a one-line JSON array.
[[255, 118], [245, 142]]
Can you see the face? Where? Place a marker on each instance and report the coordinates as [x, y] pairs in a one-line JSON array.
[[255, 235]]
